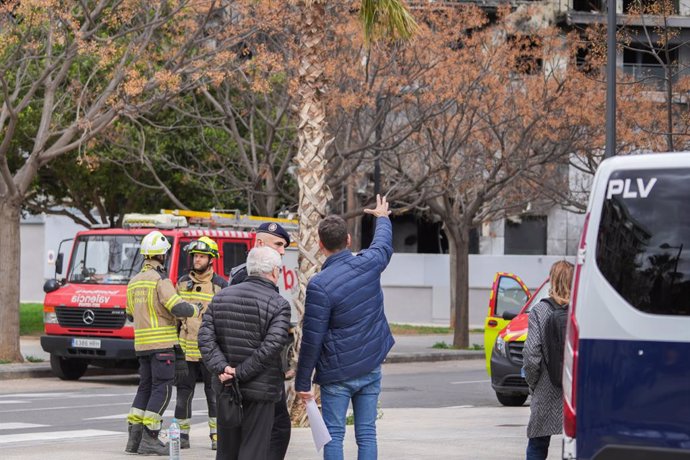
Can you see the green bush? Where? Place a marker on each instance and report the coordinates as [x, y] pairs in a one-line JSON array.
[[30, 319]]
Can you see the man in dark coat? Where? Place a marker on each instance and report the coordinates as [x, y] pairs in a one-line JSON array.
[[345, 332], [272, 235], [241, 337]]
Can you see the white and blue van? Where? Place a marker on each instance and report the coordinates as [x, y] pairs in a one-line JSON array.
[[626, 372]]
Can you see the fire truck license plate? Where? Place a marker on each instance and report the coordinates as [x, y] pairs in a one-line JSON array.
[[86, 343]]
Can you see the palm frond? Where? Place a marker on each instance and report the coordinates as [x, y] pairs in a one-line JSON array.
[[386, 19]]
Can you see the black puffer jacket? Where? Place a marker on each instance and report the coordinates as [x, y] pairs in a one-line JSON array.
[[246, 327]]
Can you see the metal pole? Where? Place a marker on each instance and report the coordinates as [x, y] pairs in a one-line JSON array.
[[611, 81]]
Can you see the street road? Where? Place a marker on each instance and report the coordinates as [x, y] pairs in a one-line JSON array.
[[38, 412]]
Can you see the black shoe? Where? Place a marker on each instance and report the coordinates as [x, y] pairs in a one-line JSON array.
[[184, 441], [151, 445], [134, 438]]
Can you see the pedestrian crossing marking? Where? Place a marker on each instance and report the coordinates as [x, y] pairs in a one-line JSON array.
[[12, 401], [19, 426], [170, 412], [55, 435]]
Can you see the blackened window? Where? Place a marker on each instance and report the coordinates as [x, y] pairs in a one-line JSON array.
[[644, 239], [526, 235]]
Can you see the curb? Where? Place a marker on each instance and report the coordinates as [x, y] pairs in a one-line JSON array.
[[41, 370], [434, 356]]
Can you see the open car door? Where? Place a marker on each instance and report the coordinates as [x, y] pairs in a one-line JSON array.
[[508, 295]]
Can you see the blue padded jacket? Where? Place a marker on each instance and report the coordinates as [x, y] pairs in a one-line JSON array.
[[345, 331]]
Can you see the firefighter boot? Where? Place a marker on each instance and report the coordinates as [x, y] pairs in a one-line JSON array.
[[151, 445], [214, 441], [134, 437], [184, 441]]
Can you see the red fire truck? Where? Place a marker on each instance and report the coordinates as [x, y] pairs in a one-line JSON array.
[[84, 311]]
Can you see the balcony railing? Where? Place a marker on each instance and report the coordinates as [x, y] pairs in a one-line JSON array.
[[654, 75]]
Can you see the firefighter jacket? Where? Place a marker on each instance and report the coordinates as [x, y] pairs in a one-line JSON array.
[[197, 289], [151, 299]]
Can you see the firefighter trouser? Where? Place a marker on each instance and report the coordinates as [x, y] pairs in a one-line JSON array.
[[156, 374], [185, 395]]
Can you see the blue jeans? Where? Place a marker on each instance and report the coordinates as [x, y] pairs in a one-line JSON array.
[[538, 448], [335, 397]]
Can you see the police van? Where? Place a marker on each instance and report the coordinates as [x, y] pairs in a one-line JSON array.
[[626, 377]]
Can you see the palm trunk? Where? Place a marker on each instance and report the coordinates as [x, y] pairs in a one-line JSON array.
[[458, 244], [9, 279], [314, 194]]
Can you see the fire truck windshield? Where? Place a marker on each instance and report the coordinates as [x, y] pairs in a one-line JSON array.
[[105, 259]]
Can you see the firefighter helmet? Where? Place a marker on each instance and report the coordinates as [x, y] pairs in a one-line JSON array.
[[203, 245], [154, 244]]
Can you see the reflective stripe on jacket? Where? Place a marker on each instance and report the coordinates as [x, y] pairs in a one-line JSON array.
[[196, 289], [150, 297]]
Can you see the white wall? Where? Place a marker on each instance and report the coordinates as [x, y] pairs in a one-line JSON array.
[[417, 286], [40, 237]]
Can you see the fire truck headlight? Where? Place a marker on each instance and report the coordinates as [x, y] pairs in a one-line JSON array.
[[49, 317]]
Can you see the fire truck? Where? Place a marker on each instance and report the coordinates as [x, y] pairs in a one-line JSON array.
[[84, 308]]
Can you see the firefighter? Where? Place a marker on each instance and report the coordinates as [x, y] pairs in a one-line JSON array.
[[197, 287], [153, 305]]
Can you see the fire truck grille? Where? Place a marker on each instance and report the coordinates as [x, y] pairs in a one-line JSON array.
[[515, 351], [96, 318]]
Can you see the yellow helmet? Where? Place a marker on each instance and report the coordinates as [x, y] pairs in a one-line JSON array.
[[203, 245], [154, 244]]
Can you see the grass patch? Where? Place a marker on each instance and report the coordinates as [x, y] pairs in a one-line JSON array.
[[409, 329], [30, 319], [4, 361], [33, 359], [447, 346]]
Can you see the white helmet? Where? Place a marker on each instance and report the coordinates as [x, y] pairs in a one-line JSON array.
[[154, 244]]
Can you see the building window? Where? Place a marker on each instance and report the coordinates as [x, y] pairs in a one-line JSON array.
[[525, 235], [641, 62], [588, 6]]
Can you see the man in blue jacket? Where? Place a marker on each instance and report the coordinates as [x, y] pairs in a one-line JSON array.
[[345, 332]]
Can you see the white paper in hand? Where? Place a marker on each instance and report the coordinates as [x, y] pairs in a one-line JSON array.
[[318, 427]]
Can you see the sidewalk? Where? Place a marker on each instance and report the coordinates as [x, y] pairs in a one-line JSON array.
[[407, 348], [482, 433]]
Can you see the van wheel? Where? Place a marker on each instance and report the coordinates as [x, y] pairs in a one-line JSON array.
[[68, 368], [511, 400]]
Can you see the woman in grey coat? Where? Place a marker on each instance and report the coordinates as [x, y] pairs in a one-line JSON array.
[[546, 408]]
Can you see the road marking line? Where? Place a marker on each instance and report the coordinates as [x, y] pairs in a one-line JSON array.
[[458, 407], [469, 381], [37, 395], [55, 435], [12, 401], [168, 413], [19, 426]]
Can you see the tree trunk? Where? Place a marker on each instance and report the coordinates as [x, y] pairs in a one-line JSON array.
[[669, 108], [458, 244], [10, 248], [314, 194]]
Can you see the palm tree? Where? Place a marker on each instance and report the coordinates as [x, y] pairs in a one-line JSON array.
[[388, 19]]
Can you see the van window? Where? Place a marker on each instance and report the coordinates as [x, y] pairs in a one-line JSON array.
[[234, 254], [643, 244], [510, 297]]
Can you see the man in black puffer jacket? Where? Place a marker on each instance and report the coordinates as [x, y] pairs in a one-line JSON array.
[[241, 336]]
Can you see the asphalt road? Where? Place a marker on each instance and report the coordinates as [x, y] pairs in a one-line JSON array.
[[36, 412]]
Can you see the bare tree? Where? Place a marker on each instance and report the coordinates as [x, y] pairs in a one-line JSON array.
[[80, 65]]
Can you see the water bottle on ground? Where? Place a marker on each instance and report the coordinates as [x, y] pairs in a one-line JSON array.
[[174, 440]]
